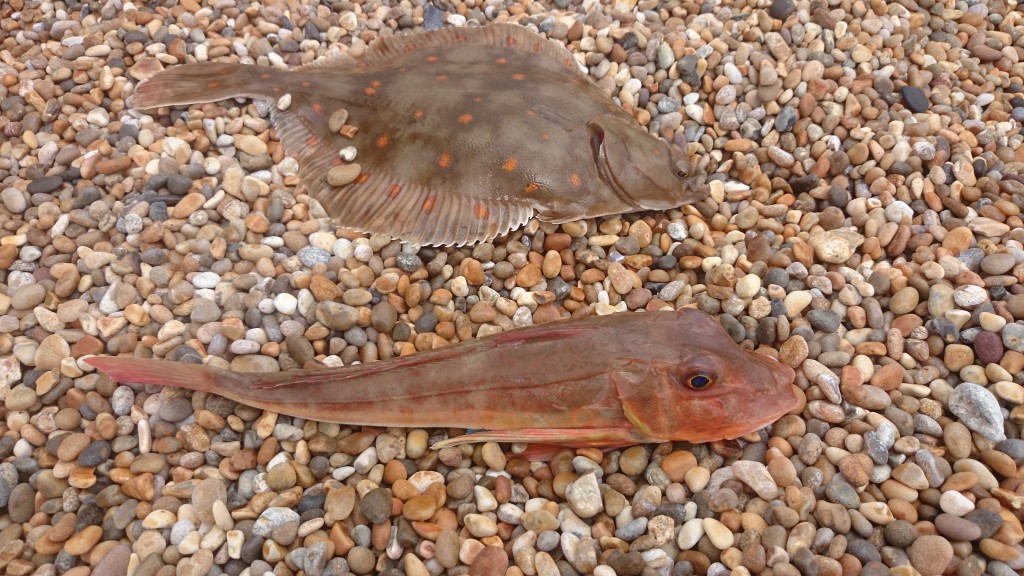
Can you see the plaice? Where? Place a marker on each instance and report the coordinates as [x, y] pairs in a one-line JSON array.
[[462, 134]]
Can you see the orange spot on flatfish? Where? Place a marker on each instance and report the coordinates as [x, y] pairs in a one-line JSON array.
[[307, 84], [444, 160], [382, 142], [418, 114], [362, 178], [275, 89], [545, 137], [501, 60], [394, 191], [477, 99], [213, 84], [481, 211], [432, 58], [316, 107], [440, 77], [536, 47], [531, 113], [312, 141], [409, 47], [264, 76], [428, 204], [375, 83], [465, 119], [532, 187], [369, 91], [519, 76], [509, 165], [575, 179], [510, 41]]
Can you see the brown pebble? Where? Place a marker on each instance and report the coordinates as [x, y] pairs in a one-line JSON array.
[[491, 561]]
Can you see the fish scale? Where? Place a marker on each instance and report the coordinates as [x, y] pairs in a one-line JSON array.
[[463, 134]]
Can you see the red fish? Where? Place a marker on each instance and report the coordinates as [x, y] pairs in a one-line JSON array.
[[603, 381], [459, 135]]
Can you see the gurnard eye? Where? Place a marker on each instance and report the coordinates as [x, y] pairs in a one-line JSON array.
[[699, 381]]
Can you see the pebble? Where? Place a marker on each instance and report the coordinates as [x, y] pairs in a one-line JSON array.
[[877, 254], [978, 409]]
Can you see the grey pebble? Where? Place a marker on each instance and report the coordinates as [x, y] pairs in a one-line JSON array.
[[95, 454], [175, 409], [633, 530], [978, 409], [44, 185], [376, 505], [824, 320], [273, 519], [311, 256], [548, 540], [408, 262], [1013, 336], [121, 400]]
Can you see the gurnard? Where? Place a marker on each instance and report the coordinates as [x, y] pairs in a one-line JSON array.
[[461, 134], [603, 381]]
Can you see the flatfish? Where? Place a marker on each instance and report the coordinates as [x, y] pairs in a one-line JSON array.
[[460, 134]]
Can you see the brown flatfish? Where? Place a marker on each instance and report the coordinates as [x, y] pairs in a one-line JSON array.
[[461, 134]]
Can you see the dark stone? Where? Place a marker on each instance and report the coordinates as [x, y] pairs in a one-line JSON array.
[[94, 454], [781, 9], [914, 99], [824, 320], [44, 185], [987, 520]]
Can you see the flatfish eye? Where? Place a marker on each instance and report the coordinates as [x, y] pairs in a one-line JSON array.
[[682, 169], [699, 381]]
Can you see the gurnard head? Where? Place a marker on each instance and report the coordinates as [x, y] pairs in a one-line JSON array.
[[710, 389], [646, 172]]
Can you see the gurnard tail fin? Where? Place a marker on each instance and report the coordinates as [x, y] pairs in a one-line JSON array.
[[179, 374], [206, 82]]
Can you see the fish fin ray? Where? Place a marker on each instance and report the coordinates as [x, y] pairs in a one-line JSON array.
[[390, 49], [202, 82], [573, 437], [371, 205]]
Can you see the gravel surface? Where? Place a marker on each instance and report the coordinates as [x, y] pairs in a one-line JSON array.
[[863, 226]]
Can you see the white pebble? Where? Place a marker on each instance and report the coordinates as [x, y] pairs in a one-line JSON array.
[[348, 153], [285, 303], [955, 503]]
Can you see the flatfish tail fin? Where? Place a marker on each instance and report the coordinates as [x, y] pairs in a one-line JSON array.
[[208, 82]]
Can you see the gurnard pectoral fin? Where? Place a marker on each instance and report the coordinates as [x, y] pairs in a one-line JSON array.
[[571, 437]]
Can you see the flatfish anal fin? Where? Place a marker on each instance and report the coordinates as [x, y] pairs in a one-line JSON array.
[[390, 49]]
